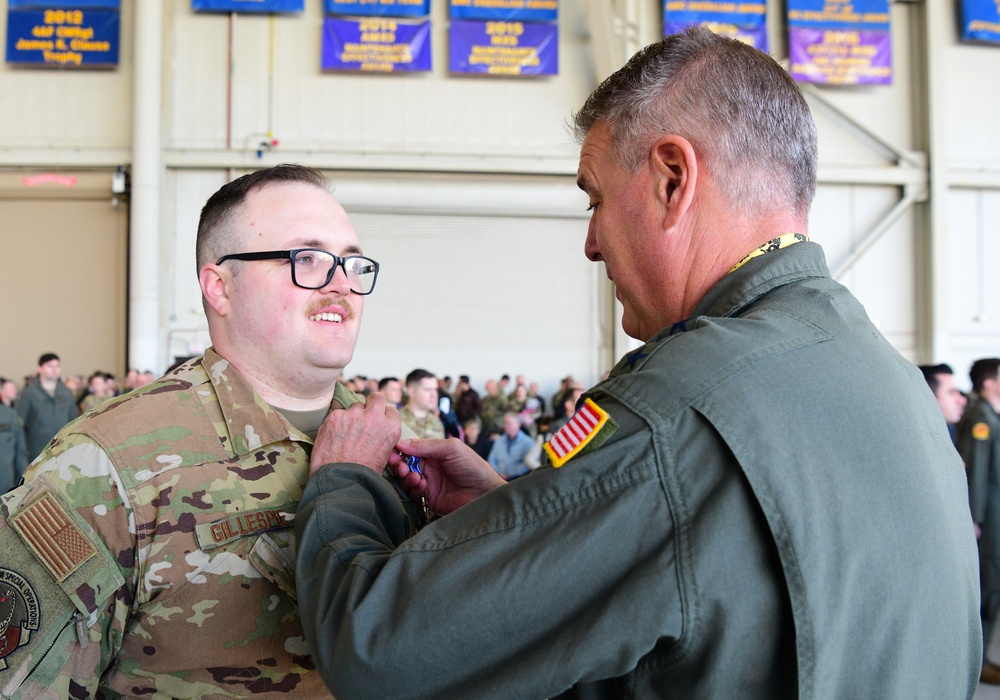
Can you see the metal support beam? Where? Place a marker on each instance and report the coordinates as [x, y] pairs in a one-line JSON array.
[[911, 195]]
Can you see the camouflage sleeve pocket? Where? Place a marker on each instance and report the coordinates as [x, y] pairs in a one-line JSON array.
[[54, 572]]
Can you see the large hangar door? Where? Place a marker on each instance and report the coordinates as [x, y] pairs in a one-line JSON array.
[[481, 295], [65, 251]]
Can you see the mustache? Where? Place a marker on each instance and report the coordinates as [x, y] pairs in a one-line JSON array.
[[327, 302]]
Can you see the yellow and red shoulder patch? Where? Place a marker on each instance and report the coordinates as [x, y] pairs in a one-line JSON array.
[[579, 433], [981, 431]]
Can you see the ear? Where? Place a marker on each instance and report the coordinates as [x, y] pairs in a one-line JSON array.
[[216, 285], [675, 167]]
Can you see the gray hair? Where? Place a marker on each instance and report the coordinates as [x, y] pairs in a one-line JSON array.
[[743, 114]]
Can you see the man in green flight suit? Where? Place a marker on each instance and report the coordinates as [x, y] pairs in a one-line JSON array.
[[979, 445], [760, 502]]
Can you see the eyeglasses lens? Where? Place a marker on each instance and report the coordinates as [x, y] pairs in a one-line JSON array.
[[312, 270]]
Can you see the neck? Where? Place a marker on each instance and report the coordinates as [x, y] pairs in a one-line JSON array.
[[285, 392], [48, 384], [418, 412]]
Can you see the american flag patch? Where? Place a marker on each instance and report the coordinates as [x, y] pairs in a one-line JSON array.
[[578, 431], [56, 540]]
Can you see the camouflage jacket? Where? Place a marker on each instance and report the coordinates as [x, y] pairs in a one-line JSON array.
[[150, 550], [494, 406], [430, 426]]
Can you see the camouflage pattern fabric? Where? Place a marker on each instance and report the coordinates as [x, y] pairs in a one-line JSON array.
[[430, 426], [150, 551], [494, 406]]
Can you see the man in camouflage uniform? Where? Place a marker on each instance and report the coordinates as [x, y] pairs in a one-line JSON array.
[[150, 550], [494, 406], [420, 412]]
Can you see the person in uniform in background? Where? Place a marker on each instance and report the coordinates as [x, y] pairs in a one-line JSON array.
[[510, 449], [13, 450], [392, 390], [46, 404], [704, 529], [8, 392], [941, 380], [420, 413], [979, 445], [149, 551]]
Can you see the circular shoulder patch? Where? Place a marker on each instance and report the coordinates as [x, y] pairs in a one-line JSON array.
[[19, 613], [981, 431]]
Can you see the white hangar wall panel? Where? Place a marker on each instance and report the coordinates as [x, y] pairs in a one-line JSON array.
[[276, 84], [974, 274], [48, 114], [480, 295], [884, 278]]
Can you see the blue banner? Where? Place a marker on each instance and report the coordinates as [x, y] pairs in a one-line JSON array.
[[754, 36], [688, 12], [746, 21], [508, 10], [64, 38], [869, 15], [981, 20], [378, 8], [377, 45], [504, 48], [248, 5], [64, 5]]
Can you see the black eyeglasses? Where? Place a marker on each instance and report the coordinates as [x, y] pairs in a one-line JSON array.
[[313, 268]]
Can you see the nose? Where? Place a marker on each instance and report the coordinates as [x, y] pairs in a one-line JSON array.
[[590, 247], [338, 283]]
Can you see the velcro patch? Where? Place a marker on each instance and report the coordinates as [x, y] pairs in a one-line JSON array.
[[53, 536], [578, 433], [981, 431], [244, 524]]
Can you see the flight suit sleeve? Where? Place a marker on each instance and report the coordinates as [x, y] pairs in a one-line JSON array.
[[524, 592], [976, 445], [67, 554]]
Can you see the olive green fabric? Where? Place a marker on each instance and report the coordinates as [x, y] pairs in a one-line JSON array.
[[780, 513], [979, 445]]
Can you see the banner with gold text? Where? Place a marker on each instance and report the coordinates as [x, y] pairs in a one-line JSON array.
[[504, 48], [63, 38], [840, 42], [378, 8], [376, 45], [259, 6], [745, 20], [981, 20], [507, 10]]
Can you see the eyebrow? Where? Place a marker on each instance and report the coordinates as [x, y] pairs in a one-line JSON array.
[[313, 243]]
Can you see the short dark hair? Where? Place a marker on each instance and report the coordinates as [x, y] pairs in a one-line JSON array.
[[47, 357], [385, 380], [464, 378], [418, 375], [217, 213], [931, 373], [986, 368]]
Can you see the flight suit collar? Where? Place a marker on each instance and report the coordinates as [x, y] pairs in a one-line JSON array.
[[760, 275]]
